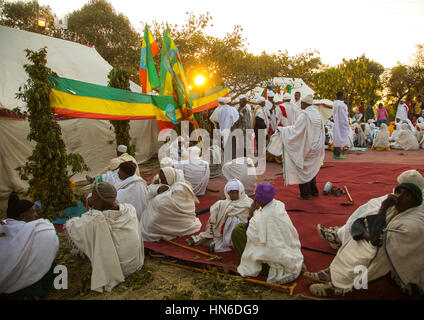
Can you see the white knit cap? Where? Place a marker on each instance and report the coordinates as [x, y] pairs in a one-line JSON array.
[[242, 96], [122, 148], [287, 97], [411, 176], [260, 100]]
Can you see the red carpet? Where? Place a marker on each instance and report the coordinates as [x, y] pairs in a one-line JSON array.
[[364, 181]]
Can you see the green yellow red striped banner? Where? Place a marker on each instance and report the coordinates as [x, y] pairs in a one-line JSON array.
[[85, 100]]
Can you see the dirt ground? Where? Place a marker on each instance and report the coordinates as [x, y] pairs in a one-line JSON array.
[[157, 281]]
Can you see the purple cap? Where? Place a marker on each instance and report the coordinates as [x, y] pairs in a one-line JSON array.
[[264, 194]]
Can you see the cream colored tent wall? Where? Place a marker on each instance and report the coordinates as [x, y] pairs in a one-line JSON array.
[[87, 137], [94, 140]]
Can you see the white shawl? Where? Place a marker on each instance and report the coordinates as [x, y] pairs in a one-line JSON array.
[[382, 136], [242, 169], [341, 128], [406, 140], [402, 112], [27, 252], [272, 239], [112, 241], [172, 213], [302, 147], [133, 190]]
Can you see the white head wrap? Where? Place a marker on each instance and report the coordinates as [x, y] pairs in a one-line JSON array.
[[194, 153], [166, 162], [122, 148], [242, 96], [420, 120], [287, 97], [234, 184], [260, 100], [309, 99], [170, 175], [270, 93], [411, 176]]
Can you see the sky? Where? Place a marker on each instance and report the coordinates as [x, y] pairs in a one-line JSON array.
[[384, 30]]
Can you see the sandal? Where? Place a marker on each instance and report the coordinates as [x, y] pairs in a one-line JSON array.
[[325, 290], [330, 236], [322, 276]]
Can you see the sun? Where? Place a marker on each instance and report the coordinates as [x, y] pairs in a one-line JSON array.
[[199, 80]]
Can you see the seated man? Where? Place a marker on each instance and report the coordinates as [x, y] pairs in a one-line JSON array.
[[269, 238], [338, 236], [109, 235], [359, 140], [28, 248], [130, 188], [168, 162], [406, 139], [225, 215], [123, 156], [381, 139], [242, 169], [196, 171], [171, 211], [389, 241]]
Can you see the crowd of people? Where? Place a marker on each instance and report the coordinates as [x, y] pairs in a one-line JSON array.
[[123, 211]]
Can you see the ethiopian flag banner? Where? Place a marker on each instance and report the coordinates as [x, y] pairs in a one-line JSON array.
[[86, 100], [148, 75]]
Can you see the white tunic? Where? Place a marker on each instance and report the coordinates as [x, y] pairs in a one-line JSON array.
[[227, 117], [196, 172], [272, 239], [292, 113], [402, 112], [302, 147], [341, 129]]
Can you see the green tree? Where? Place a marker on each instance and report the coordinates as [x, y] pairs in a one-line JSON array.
[[360, 80], [23, 15], [97, 24], [120, 78], [47, 167]]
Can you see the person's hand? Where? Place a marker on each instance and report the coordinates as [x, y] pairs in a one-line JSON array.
[[162, 189], [390, 201]]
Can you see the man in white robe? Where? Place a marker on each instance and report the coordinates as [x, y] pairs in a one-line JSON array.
[[338, 236], [123, 156], [302, 149], [244, 170], [341, 128], [227, 117], [269, 238], [271, 110], [28, 248], [165, 163], [109, 235], [196, 171], [260, 120], [401, 112], [171, 211], [297, 100], [287, 113], [225, 215], [387, 242]]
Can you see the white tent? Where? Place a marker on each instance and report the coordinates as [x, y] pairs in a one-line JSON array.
[[93, 139]]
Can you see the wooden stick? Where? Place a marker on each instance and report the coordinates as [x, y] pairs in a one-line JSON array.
[[273, 285], [348, 194], [192, 249]]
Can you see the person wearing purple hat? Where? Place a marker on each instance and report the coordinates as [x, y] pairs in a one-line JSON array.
[[268, 238]]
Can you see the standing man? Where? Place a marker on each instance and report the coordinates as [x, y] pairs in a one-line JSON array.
[[270, 108], [245, 121], [369, 112], [122, 156], [341, 127], [261, 121], [302, 149], [297, 101], [402, 112], [227, 117]]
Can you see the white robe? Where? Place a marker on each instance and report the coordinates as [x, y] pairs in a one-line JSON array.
[[242, 169], [27, 252], [302, 147], [227, 117], [292, 113], [405, 139], [382, 136], [197, 172], [133, 190], [297, 103], [402, 112], [341, 128], [170, 214], [225, 215], [111, 239], [272, 239]]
